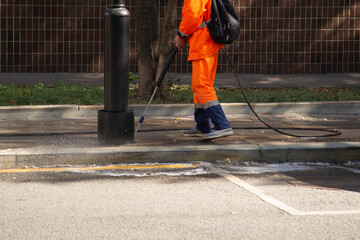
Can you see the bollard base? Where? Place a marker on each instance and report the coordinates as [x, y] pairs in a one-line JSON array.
[[115, 128]]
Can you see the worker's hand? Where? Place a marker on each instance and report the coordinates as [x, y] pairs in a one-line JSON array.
[[180, 42]]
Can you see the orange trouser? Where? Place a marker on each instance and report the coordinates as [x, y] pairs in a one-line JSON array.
[[203, 77]]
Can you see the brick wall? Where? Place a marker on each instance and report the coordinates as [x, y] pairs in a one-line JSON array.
[[277, 37]]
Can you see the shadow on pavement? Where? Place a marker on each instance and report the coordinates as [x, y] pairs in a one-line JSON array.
[[334, 178]]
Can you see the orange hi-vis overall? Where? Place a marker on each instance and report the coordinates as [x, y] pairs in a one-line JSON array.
[[203, 50], [204, 56]]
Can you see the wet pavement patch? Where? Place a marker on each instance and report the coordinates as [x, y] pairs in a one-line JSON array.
[[101, 168], [309, 175], [327, 178], [81, 173]]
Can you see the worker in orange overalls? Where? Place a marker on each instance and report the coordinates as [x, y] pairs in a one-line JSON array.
[[204, 56]]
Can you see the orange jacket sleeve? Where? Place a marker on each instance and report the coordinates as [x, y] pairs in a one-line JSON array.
[[192, 16]]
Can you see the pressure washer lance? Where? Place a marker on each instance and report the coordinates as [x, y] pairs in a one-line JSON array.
[[161, 78]]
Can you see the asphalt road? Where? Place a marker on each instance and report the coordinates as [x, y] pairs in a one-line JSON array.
[[212, 201]]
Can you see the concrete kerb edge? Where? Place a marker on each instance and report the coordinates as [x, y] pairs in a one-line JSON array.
[[39, 157], [71, 111], [335, 152]]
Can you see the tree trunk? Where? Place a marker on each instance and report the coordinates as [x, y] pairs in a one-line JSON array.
[[147, 40], [167, 36]]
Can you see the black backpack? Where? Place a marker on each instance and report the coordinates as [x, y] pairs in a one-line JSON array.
[[224, 24]]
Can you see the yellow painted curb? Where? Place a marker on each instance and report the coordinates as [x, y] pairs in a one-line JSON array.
[[100, 168]]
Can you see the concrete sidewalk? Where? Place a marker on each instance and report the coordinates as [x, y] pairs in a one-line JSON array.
[[67, 135]]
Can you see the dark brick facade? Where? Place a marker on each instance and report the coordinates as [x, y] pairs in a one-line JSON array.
[[278, 36]]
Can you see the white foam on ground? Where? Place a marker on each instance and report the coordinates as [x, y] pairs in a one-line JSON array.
[[251, 169], [148, 172], [193, 172]]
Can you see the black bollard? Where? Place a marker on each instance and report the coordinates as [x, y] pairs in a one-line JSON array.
[[116, 121]]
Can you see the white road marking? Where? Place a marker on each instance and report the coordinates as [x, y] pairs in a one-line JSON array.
[[272, 201]]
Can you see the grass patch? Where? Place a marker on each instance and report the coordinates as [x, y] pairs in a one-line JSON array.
[[41, 94], [63, 93]]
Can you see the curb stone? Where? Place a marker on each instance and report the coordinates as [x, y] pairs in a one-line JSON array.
[[330, 152]]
